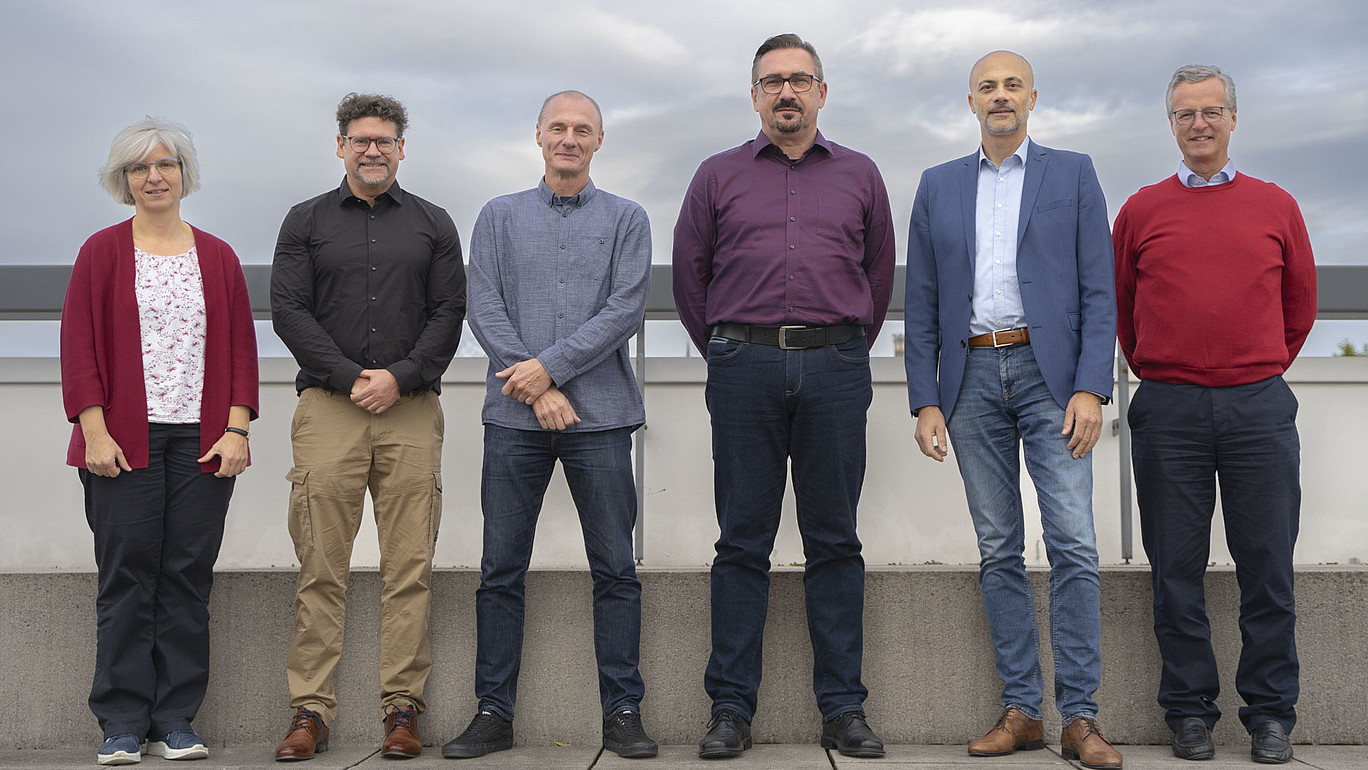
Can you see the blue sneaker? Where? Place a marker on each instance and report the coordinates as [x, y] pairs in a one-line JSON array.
[[122, 749], [178, 744]]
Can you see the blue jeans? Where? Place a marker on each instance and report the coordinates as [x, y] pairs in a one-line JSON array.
[[1004, 403], [770, 407], [598, 470], [1185, 440]]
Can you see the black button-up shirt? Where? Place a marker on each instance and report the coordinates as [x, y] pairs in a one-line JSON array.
[[359, 287]]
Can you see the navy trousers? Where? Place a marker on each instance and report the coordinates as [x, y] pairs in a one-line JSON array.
[[1187, 440], [157, 534]]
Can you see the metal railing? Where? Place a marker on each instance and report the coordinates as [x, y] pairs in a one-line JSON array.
[[35, 292]]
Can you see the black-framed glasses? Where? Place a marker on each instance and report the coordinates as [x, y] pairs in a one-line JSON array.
[[164, 166], [800, 83], [385, 144], [1209, 114]]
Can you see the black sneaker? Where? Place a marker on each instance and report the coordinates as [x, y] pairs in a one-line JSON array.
[[728, 735], [487, 732], [623, 734]]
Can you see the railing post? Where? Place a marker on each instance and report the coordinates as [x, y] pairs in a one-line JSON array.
[[1124, 461], [639, 445]]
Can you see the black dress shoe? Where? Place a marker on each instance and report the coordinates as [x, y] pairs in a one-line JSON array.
[[1268, 743], [728, 735], [1192, 740], [849, 734]]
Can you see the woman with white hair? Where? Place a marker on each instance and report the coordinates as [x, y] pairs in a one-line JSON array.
[[159, 375]]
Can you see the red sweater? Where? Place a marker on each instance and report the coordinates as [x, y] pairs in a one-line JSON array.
[[102, 344], [1215, 286]]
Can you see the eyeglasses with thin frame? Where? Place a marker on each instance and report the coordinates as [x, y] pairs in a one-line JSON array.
[[1209, 114], [800, 83], [165, 167], [385, 144]]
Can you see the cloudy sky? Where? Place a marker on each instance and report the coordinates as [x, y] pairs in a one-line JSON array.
[[257, 83]]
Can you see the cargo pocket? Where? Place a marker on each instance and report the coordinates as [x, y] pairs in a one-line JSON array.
[[300, 520], [435, 510]]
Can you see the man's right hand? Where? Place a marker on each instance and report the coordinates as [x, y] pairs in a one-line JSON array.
[[554, 411], [931, 434]]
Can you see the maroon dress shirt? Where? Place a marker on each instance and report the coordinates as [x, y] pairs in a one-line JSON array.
[[769, 241]]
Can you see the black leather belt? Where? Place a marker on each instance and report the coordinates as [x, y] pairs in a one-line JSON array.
[[789, 337]]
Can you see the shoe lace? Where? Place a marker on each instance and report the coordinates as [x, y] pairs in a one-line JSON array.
[[628, 721], [303, 718], [1090, 727], [401, 717], [725, 715]]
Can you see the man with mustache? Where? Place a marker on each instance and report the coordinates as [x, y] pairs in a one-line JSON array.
[[368, 293], [783, 267], [1216, 288], [1011, 330], [558, 281]]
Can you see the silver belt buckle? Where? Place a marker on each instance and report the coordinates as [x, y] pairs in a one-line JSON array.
[[783, 337], [996, 344]]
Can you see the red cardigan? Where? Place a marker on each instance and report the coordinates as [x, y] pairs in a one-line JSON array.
[[102, 347]]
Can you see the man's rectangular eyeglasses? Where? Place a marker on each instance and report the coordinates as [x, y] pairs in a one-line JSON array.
[[773, 84], [385, 144], [1209, 114], [165, 167]]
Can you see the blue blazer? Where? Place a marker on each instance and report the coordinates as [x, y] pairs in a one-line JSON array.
[[1064, 269]]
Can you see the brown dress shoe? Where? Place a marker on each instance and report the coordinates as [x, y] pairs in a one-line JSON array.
[[1014, 731], [401, 733], [1083, 740], [308, 736]]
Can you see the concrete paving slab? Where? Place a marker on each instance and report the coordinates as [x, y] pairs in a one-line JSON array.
[[764, 756], [517, 758], [920, 757], [1332, 757], [220, 758]]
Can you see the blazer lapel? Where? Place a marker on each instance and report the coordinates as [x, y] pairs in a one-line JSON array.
[[1030, 188], [969, 207]]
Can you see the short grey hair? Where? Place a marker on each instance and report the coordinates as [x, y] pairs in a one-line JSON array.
[[132, 145], [1196, 73], [781, 42], [541, 114]]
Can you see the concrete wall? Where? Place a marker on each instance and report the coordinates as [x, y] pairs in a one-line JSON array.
[[912, 512], [928, 660]]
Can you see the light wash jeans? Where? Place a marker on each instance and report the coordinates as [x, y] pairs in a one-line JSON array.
[[1003, 404]]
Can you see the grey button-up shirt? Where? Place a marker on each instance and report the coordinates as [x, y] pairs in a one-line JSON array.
[[562, 280]]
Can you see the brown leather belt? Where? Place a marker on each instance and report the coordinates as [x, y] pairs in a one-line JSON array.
[[789, 337], [1001, 338]]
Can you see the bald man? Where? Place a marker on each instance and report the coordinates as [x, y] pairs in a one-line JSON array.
[[1011, 331]]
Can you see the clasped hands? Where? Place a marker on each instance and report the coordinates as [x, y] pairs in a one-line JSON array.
[[530, 383]]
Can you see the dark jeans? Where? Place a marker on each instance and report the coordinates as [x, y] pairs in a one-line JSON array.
[[598, 470], [1186, 439], [157, 534], [771, 407]]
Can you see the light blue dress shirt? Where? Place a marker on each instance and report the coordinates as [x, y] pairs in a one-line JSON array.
[[997, 296], [1191, 179], [562, 280]]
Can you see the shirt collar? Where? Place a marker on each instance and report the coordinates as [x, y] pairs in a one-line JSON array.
[[1189, 178], [394, 193], [1022, 151], [578, 200], [762, 141]]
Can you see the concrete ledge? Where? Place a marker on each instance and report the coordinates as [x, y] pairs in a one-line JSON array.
[[928, 662]]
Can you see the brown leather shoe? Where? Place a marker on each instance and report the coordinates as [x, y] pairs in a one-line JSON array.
[[401, 733], [1014, 731], [308, 736], [1083, 740]]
